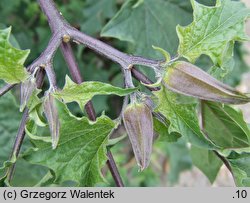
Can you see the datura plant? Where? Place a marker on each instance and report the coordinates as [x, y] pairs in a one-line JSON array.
[[189, 108]]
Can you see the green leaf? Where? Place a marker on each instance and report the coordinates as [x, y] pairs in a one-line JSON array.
[[212, 30], [240, 164], [32, 128], [84, 92], [35, 107], [27, 174], [34, 100], [164, 53], [150, 23], [206, 161], [96, 14], [9, 122], [220, 71], [179, 159], [224, 126], [48, 179], [161, 129], [183, 118], [37, 115], [240, 66], [11, 60], [81, 150]]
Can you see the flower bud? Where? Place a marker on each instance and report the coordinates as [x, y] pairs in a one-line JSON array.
[[27, 88], [51, 114], [138, 121], [185, 78]]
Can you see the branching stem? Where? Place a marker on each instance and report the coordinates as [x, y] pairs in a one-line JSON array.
[[60, 28]]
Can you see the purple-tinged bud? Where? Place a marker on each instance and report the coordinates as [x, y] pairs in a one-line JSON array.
[[186, 78], [51, 114], [27, 88], [138, 121]]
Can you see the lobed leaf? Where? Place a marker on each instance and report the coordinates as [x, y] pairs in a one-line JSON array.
[[149, 23], [161, 129], [212, 30], [81, 150], [82, 93], [11, 60], [183, 118]]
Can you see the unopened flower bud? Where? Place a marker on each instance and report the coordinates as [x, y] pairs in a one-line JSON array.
[[185, 78], [27, 88], [51, 114], [138, 121]]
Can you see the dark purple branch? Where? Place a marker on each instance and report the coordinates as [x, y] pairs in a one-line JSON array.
[[71, 62], [100, 47], [62, 30], [76, 75], [46, 57], [21, 131], [226, 163], [51, 75], [5, 89], [59, 26], [18, 143], [142, 78], [114, 171], [55, 19], [108, 51]]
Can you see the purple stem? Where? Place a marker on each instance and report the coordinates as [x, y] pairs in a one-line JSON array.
[[21, 131], [60, 27], [5, 89], [71, 62], [114, 171], [142, 78], [76, 75], [18, 143]]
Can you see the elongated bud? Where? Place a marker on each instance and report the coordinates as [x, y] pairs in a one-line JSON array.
[[138, 121], [187, 79], [51, 114], [27, 88]]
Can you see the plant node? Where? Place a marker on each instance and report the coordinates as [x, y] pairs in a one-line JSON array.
[[66, 38]]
